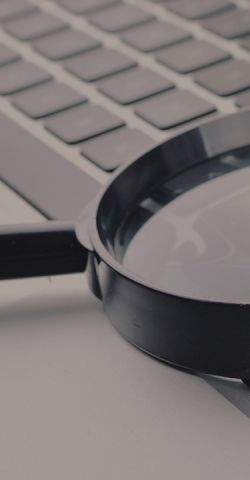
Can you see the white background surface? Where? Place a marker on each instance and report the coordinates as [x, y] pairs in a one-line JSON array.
[[77, 402]]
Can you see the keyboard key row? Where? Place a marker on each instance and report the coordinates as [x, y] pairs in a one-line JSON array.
[[221, 17], [79, 124], [127, 83], [163, 111], [67, 114], [55, 40], [127, 87], [108, 147], [82, 122], [91, 62]]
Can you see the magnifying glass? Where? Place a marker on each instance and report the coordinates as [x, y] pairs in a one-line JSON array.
[[166, 247]]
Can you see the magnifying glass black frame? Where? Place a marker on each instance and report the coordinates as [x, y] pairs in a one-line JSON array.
[[198, 335]]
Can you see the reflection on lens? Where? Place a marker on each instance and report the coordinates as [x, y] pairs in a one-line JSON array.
[[191, 237]]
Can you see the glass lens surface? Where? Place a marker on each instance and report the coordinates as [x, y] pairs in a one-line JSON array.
[[191, 235]]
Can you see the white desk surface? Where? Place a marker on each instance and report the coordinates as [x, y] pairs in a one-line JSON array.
[[77, 402]]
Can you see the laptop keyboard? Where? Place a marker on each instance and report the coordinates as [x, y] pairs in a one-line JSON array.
[[110, 79]]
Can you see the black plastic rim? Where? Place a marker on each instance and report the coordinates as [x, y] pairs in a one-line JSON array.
[[205, 336]]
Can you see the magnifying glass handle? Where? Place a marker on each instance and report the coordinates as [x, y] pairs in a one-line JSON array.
[[42, 249]]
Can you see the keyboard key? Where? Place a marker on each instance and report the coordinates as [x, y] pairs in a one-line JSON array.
[[227, 78], [34, 26], [81, 123], [99, 64], [85, 6], [174, 108], [233, 24], [47, 99], [120, 17], [19, 76], [191, 56], [65, 44], [196, 9], [154, 35], [51, 183], [10, 9], [7, 55], [246, 43], [111, 150], [134, 85], [243, 99]]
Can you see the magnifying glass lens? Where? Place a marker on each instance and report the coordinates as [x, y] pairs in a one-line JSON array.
[[191, 235]]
